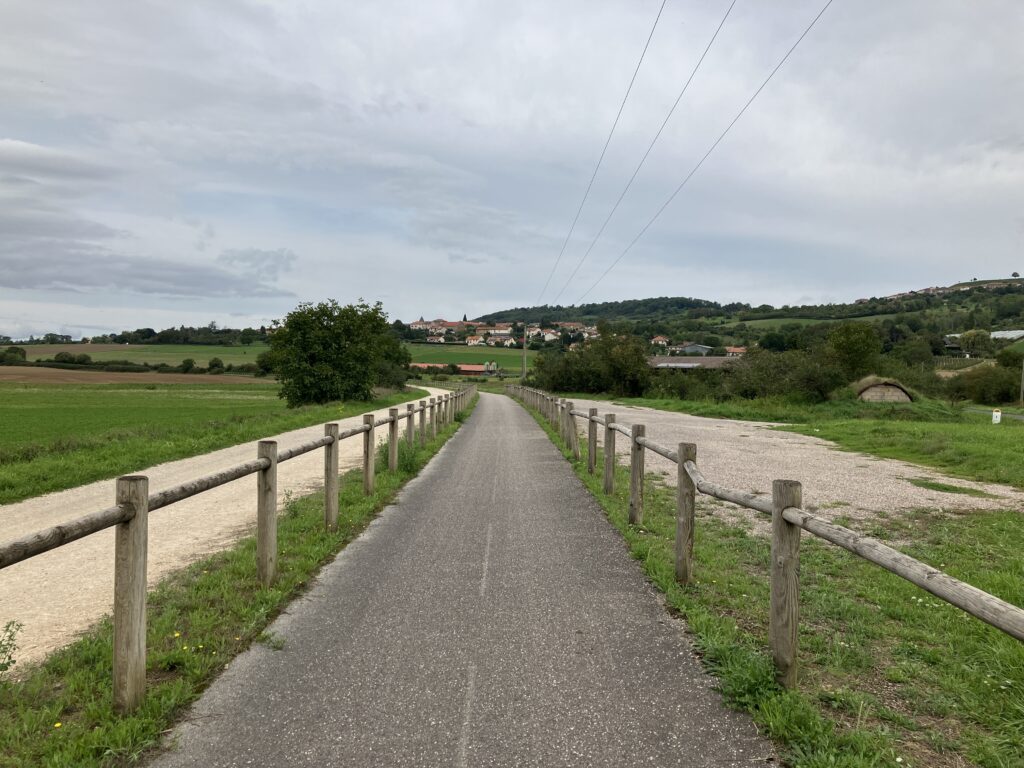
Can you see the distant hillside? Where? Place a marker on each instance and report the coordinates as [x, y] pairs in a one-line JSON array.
[[985, 304]]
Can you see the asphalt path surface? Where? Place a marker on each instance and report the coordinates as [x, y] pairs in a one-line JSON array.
[[490, 617]]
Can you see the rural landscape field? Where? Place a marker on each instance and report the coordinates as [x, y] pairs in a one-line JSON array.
[[526, 384]]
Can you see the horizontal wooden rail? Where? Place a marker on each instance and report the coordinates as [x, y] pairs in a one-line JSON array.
[[43, 541], [749, 500], [298, 450], [787, 519], [195, 487], [980, 604]]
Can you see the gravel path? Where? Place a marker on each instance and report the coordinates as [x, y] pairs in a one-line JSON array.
[[59, 594], [747, 456]]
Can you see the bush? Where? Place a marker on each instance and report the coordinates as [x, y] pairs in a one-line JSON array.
[[216, 365], [187, 365], [325, 352], [987, 385], [16, 353], [64, 357], [83, 359]]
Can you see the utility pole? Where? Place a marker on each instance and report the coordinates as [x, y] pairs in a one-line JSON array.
[[1022, 384], [523, 379]]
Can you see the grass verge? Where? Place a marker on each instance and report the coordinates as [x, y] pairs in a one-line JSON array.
[[58, 437], [889, 676], [60, 712]]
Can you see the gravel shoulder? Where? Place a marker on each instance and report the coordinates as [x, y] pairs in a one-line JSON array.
[[61, 593], [748, 455]]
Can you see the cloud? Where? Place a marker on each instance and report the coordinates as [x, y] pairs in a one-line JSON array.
[[37, 161], [259, 264], [451, 143]]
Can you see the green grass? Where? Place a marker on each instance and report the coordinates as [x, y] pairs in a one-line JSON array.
[[886, 670], [507, 359], [932, 485], [172, 354], [973, 448], [196, 622], [59, 436]]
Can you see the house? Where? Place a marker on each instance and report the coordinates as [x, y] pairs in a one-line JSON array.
[[689, 363], [509, 342], [661, 341], [735, 351], [419, 325], [435, 339], [495, 341], [550, 335], [475, 341], [689, 348]]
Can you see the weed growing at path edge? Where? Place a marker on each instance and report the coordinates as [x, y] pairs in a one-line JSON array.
[[889, 675], [60, 713]]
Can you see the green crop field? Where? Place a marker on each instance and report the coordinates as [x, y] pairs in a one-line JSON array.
[[172, 354], [56, 436], [509, 359]]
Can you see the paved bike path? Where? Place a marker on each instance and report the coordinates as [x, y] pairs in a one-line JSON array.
[[491, 616]]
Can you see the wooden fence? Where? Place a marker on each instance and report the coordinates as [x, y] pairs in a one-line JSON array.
[[788, 521], [133, 503]]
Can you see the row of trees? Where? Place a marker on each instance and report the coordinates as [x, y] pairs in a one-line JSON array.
[[824, 361]]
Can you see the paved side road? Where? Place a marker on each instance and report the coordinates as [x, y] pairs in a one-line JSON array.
[[491, 617]]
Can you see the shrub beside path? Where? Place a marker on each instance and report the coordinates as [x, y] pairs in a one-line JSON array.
[[63, 592]]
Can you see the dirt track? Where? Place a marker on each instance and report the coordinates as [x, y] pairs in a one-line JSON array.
[[747, 456], [61, 593], [25, 374]]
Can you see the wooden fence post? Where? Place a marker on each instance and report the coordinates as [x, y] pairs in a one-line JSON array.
[[331, 454], [369, 453], [609, 453], [130, 544], [570, 430], [433, 417], [423, 422], [410, 424], [393, 439], [686, 501], [591, 439], [266, 514], [784, 618], [636, 476]]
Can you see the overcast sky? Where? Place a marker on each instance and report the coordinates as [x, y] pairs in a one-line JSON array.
[[179, 162]]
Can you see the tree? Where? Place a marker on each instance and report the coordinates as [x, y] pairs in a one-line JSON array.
[[325, 352], [854, 347], [976, 342], [187, 364], [247, 336], [216, 365], [1015, 274]]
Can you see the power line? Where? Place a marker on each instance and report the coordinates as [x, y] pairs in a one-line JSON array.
[[643, 159], [607, 141], [706, 154]]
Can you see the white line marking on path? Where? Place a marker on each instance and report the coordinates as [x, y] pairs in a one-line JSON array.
[[487, 559], [466, 710]]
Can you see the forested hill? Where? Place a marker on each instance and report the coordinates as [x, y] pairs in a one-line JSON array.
[[980, 304], [631, 309]]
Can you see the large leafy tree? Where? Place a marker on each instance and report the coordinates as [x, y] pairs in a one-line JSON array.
[[325, 352]]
